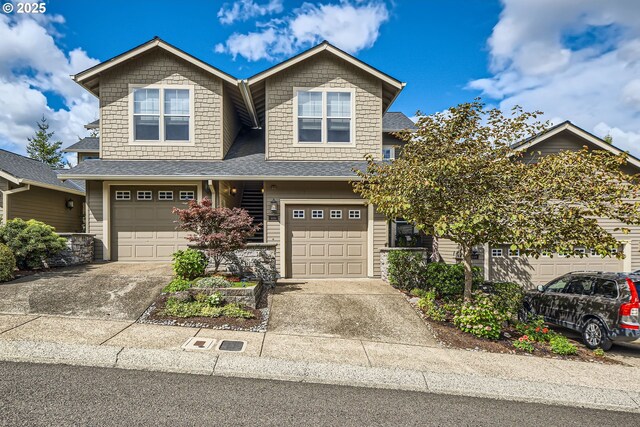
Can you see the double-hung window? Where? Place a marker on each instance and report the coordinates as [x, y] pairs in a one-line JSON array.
[[324, 116], [162, 114]]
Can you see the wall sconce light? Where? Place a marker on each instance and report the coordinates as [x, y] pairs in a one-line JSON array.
[[273, 208], [69, 204], [233, 191]]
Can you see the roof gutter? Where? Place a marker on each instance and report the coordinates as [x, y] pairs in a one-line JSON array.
[[209, 177], [248, 101], [395, 97]]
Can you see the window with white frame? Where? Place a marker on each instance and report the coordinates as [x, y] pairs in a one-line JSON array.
[[388, 152], [123, 195], [496, 252], [514, 253], [298, 214], [144, 195], [162, 114], [165, 195], [354, 214], [317, 214], [336, 214], [580, 251], [324, 116], [187, 195]]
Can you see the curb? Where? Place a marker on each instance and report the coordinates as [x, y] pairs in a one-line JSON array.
[[232, 365]]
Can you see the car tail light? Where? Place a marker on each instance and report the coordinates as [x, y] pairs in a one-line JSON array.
[[629, 311]]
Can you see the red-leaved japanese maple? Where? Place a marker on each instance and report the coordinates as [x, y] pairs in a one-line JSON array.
[[218, 231]]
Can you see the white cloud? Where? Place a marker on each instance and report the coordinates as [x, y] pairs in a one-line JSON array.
[[573, 59], [351, 26], [32, 65], [243, 10]]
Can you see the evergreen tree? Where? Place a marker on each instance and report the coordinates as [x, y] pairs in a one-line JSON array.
[[42, 149]]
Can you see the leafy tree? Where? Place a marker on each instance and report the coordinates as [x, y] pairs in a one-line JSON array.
[[459, 178], [42, 149], [218, 231]]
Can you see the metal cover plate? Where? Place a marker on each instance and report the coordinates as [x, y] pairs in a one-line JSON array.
[[232, 346], [198, 343]]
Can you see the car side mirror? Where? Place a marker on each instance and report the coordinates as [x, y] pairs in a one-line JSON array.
[[540, 288]]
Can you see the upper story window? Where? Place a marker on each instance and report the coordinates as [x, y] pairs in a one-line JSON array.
[[324, 116], [388, 152], [162, 114]]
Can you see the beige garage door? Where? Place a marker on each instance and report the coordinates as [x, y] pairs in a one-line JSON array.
[[326, 241], [142, 225], [532, 272]]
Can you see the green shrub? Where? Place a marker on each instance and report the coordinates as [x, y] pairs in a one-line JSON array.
[[213, 282], [177, 285], [31, 242], [417, 292], [430, 307], [507, 295], [536, 330], [189, 263], [204, 306], [598, 352], [7, 263], [406, 269], [561, 345], [480, 317], [448, 279]]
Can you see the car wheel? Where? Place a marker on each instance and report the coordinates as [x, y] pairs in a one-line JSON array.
[[595, 336]]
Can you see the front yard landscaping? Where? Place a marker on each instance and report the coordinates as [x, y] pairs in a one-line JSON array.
[[488, 322]]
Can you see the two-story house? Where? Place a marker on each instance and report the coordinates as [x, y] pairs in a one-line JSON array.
[[282, 144]]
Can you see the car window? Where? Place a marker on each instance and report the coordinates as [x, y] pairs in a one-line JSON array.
[[605, 288], [579, 286], [557, 285]]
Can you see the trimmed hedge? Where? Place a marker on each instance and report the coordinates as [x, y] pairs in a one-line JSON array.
[[31, 242], [7, 263]]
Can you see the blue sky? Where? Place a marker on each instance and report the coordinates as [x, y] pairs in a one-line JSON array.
[[573, 59]]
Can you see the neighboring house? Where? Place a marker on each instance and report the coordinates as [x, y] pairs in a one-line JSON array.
[[31, 190], [500, 263], [282, 144]]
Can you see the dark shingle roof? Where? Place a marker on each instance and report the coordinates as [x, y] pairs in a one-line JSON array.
[[245, 159], [93, 125], [396, 121], [88, 144], [28, 169]]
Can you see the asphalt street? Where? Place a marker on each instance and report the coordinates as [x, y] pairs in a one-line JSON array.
[[45, 395]]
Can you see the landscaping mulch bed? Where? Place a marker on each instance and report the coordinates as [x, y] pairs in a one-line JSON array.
[[153, 315], [450, 336]]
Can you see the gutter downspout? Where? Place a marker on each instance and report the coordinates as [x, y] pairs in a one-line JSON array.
[[248, 101], [214, 195], [5, 200]]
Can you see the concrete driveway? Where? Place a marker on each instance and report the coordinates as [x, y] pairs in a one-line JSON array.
[[352, 309], [118, 291]]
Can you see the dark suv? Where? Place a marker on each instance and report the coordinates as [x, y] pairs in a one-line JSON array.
[[603, 307]]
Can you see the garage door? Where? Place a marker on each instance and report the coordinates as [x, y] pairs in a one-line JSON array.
[[142, 225], [532, 272], [326, 241]]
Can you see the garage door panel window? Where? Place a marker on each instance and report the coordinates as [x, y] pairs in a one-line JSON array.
[[144, 195], [354, 214], [123, 195], [336, 214], [317, 214], [187, 195], [298, 214], [496, 252], [165, 195], [514, 253]]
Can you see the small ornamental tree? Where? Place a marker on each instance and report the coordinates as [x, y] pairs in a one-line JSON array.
[[216, 230], [460, 178]]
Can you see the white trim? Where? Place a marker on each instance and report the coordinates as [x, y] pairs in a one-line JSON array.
[[486, 262], [581, 133], [248, 102], [393, 151], [161, 115], [628, 253], [162, 195], [319, 212], [324, 119], [9, 177], [218, 178], [5, 200], [88, 74], [20, 181], [283, 225], [106, 206], [317, 49]]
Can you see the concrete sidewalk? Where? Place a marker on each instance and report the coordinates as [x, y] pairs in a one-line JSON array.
[[127, 345]]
